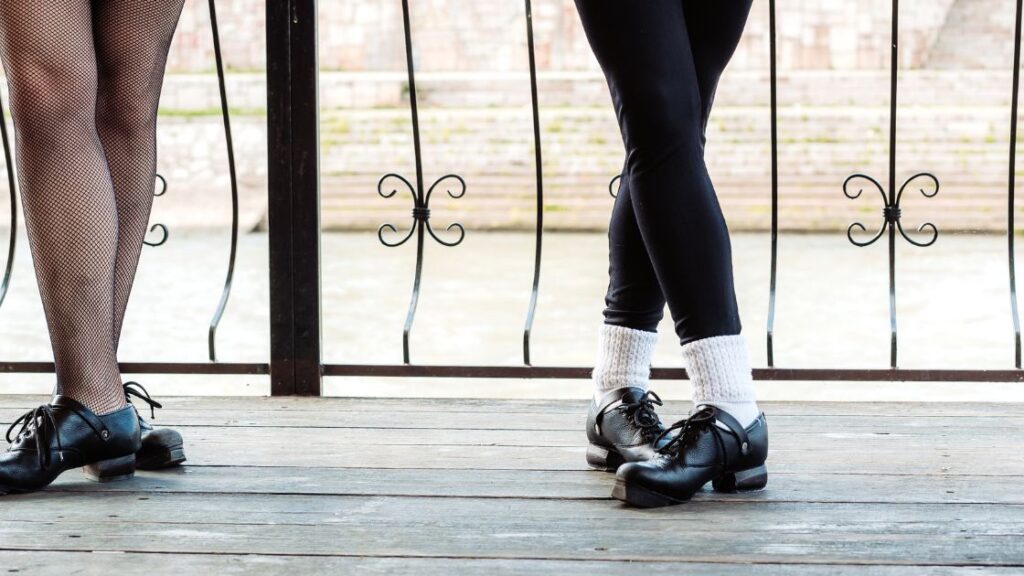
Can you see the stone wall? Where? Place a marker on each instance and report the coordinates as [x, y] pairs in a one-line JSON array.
[[978, 35]]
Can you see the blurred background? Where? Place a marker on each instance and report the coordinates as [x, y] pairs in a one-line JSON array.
[[955, 71]]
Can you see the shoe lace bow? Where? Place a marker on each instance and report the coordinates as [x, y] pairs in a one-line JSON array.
[[642, 413], [39, 423], [687, 430], [137, 390]]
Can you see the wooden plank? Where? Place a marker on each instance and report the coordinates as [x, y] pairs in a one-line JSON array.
[[90, 564], [575, 422], [339, 438], [446, 449], [538, 484], [497, 449], [484, 528], [729, 515], [425, 487], [392, 405]]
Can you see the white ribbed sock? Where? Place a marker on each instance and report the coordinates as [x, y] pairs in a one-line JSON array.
[[719, 369], [623, 358]]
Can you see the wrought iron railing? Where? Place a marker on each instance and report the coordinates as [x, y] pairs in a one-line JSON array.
[[296, 365]]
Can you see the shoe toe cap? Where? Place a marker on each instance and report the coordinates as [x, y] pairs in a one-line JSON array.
[[634, 471], [162, 437]]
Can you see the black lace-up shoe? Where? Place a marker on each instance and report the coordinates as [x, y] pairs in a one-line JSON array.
[[622, 428], [161, 448], [62, 435], [709, 446]]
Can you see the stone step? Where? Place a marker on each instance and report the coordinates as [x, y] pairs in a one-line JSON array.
[[372, 90]]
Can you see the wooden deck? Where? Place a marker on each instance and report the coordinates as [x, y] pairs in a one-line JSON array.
[[361, 486]]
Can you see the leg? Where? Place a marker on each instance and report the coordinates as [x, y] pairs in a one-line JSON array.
[[645, 52], [715, 29], [653, 73], [634, 298], [634, 305], [654, 76], [70, 214], [622, 424], [132, 40]]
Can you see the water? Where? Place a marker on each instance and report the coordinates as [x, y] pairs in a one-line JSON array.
[[953, 302]]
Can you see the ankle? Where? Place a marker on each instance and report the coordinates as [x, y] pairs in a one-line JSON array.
[[744, 412], [719, 369], [623, 359], [100, 402]]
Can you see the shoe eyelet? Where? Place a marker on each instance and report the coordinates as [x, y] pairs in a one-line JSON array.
[[745, 449], [105, 434]]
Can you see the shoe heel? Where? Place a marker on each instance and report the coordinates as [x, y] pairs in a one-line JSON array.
[[743, 481], [111, 470], [601, 458], [160, 460]]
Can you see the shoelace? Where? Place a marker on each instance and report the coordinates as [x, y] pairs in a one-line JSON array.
[[40, 422], [688, 430], [137, 390], [643, 415]]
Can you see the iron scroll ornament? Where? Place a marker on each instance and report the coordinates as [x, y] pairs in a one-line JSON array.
[[614, 185], [164, 232], [420, 227], [421, 210], [891, 223], [891, 210]]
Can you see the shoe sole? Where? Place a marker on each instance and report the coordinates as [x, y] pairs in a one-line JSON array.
[[750, 480], [641, 497], [172, 456], [113, 470], [604, 459]]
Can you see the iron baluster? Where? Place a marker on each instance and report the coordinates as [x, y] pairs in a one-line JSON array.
[[421, 202], [12, 242], [775, 183], [891, 211], [1011, 189], [229, 142], [538, 161]]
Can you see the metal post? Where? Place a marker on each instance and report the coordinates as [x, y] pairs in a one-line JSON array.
[[294, 197]]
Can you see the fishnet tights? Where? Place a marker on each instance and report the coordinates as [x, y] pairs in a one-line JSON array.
[[85, 79]]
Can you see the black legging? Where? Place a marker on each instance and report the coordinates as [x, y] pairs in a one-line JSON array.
[[668, 239]]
